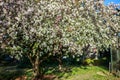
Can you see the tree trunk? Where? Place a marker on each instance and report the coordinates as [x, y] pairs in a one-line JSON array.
[[85, 52], [37, 71], [60, 63]]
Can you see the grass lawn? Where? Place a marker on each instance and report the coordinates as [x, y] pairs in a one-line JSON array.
[[88, 73], [81, 73], [73, 73]]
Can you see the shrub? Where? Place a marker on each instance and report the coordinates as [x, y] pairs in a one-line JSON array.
[[88, 61]]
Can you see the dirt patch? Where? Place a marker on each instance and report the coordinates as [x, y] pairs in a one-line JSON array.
[[49, 77], [21, 78], [101, 74]]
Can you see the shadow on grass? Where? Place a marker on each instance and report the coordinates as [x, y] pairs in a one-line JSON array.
[[10, 72], [7, 75], [66, 70]]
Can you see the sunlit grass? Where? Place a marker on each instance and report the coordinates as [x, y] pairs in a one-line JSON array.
[[81, 73], [88, 73]]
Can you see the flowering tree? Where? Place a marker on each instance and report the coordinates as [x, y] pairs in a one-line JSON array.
[[42, 28]]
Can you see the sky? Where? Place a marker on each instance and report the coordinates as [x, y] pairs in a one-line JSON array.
[[114, 1]]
